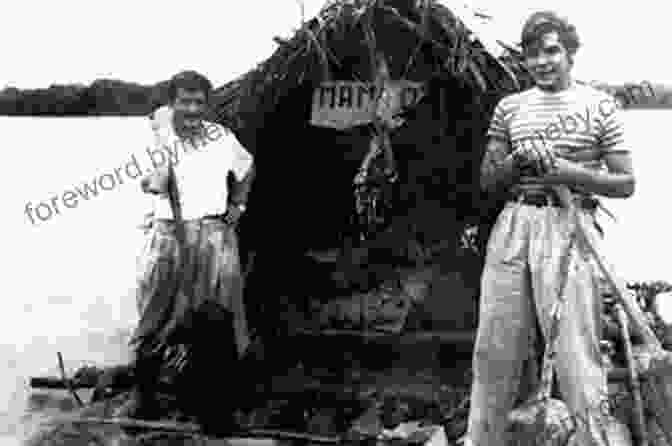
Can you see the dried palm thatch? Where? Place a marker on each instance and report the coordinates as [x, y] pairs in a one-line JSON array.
[[309, 170], [423, 39]]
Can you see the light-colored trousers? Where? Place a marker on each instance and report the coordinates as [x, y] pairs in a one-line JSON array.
[[521, 279], [210, 271]]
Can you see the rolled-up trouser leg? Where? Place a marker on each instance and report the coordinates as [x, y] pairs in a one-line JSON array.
[[505, 331]]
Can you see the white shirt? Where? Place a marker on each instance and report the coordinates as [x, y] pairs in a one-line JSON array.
[[202, 172]]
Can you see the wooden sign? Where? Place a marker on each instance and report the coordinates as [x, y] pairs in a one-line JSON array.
[[346, 104]]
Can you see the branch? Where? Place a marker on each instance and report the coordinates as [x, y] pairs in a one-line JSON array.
[[67, 381]]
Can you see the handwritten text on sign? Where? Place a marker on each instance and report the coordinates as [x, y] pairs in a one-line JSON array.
[[345, 104]]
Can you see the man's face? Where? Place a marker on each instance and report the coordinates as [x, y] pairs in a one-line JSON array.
[[189, 108], [549, 62]]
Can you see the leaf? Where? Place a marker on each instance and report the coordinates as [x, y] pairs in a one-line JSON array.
[[322, 57]]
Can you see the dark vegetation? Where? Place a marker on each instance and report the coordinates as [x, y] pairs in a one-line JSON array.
[[114, 97]]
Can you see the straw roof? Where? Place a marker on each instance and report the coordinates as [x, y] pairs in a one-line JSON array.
[[422, 39]]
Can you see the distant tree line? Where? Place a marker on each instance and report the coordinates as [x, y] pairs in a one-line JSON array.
[[639, 95], [111, 97], [104, 97]]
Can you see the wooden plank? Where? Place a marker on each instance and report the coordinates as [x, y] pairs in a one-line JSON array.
[[444, 336], [172, 426], [52, 382]]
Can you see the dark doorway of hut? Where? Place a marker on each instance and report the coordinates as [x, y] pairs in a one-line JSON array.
[[385, 362], [362, 339], [355, 307]]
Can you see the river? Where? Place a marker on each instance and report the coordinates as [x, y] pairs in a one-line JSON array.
[[72, 269]]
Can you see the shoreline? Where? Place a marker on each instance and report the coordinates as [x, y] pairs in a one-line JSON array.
[[113, 97]]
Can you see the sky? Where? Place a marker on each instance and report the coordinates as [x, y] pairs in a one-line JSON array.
[[77, 41]]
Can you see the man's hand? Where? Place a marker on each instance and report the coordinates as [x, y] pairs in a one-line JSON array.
[[156, 182], [565, 172], [541, 159], [233, 214]]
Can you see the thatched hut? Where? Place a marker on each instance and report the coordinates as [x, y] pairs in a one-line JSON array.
[[303, 197]]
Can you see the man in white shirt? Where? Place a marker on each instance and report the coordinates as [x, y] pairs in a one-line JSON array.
[[190, 283]]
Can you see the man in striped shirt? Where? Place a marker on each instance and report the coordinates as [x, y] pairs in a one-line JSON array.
[[560, 132]]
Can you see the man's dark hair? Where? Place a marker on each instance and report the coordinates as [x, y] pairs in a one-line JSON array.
[[191, 81], [543, 22]]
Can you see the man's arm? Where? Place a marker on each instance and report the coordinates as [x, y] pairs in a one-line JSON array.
[[155, 182], [617, 182], [619, 179], [498, 168], [243, 172], [241, 188]]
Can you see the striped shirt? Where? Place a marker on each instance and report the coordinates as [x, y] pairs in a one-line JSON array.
[[581, 123]]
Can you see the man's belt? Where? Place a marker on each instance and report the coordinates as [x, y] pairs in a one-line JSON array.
[[219, 217], [209, 217], [542, 199]]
